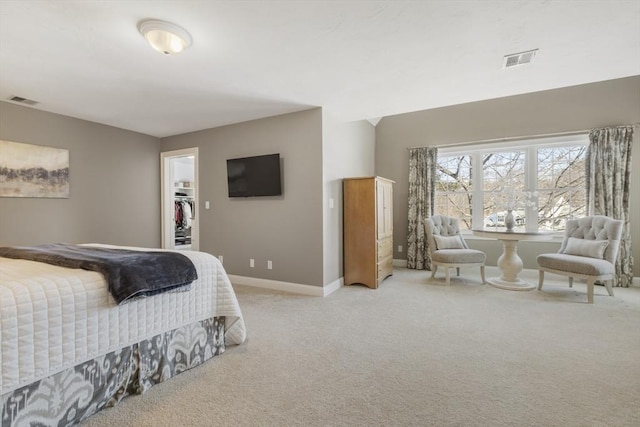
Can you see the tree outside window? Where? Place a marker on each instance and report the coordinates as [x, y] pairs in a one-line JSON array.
[[542, 181], [454, 191]]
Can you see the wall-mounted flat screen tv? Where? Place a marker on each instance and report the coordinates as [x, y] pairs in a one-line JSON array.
[[254, 176]]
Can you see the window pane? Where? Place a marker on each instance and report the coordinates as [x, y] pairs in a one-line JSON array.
[[543, 184], [561, 167], [492, 204], [454, 173], [556, 207], [504, 183], [561, 185], [456, 205], [453, 188], [504, 170], [495, 210]]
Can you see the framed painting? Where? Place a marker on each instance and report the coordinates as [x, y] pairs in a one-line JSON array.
[[28, 170]]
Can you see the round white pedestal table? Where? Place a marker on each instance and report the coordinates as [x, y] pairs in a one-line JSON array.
[[509, 263]]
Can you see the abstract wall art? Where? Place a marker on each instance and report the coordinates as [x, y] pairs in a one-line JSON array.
[[28, 170]]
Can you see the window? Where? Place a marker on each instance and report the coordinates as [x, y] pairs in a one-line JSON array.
[[543, 181]]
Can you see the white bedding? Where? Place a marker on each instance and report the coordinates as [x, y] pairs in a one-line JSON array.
[[53, 318]]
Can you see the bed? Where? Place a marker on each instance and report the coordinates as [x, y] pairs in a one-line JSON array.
[[67, 350]]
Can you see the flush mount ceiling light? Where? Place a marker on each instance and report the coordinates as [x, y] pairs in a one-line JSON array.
[[165, 37]]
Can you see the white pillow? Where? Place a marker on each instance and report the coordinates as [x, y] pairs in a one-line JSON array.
[[448, 242], [582, 247]]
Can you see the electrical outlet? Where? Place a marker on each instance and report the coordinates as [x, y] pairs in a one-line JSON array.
[[252, 263], [221, 258], [399, 248], [269, 265]]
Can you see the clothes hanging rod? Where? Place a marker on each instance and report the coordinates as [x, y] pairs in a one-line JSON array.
[[515, 138]]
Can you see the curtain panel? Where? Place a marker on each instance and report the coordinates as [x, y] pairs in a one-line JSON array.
[[608, 181], [422, 178]]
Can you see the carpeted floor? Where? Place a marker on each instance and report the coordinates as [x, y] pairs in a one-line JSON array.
[[414, 353]]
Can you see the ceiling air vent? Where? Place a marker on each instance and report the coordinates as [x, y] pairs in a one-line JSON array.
[[521, 58], [22, 100]]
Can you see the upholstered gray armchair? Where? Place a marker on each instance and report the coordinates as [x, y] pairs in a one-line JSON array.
[[588, 251], [448, 248]]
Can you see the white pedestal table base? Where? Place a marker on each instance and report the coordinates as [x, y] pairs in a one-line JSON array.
[[519, 285], [509, 263]]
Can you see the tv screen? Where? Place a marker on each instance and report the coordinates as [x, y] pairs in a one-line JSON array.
[[254, 176]]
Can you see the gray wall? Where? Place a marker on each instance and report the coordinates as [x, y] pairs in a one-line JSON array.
[[609, 103], [114, 183], [287, 229], [348, 151]]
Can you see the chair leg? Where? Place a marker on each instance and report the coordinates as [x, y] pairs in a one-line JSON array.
[[434, 268], [482, 274], [540, 279], [457, 271], [447, 275], [590, 284], [608, 285], [571, 282]]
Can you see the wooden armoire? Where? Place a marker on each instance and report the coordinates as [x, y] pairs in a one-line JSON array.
[[368, 230]]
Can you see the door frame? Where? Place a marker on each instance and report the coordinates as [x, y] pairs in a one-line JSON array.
[[168, 196]]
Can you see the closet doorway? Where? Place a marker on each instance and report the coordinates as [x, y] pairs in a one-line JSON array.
[[180, 216]]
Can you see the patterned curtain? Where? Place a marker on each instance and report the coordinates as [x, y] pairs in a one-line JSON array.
[[608, 181], [422, 178]]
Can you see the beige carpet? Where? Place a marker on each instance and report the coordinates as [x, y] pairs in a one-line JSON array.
[[414, 353]]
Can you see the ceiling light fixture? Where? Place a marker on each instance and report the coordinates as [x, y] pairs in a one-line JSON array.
[[165, 37]]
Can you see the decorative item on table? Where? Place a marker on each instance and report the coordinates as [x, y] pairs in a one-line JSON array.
[[509, 220], [526, 199]]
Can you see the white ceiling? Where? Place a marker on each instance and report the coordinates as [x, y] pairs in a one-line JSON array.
[[253, 59]]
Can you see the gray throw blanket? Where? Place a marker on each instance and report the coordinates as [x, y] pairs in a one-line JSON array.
[[130, 274]]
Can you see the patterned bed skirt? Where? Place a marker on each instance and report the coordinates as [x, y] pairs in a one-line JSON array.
[[66, 398]]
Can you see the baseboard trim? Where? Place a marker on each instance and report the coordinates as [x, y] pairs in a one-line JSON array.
[[400, 263], [333, 286], [323, 291], [296, 288]]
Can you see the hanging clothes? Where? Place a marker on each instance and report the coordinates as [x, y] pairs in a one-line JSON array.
[[186, 211], [183, 213], [178, 213]]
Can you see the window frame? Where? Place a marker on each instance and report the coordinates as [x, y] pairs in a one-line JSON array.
[[529, 145]]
